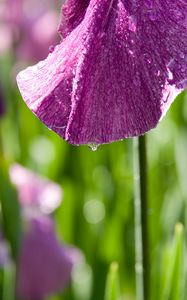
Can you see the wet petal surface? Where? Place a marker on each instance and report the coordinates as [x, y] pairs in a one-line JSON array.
[[115, 74]]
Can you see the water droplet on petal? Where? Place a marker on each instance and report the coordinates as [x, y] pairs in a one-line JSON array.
[[132, 23], [170, 74]]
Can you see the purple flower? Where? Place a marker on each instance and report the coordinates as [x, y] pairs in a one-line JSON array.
[[37, 195], [30, 26], [115, 73], [45, 265]]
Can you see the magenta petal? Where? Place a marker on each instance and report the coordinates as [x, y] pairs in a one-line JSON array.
[[36, 194], [44, 266], [115, 74], [72, 14]]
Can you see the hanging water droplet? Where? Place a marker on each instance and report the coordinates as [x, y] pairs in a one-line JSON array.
[[93, 146]]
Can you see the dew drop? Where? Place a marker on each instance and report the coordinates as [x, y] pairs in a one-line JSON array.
[[130, 52], [170, 74], [132, 23], [93, 146], [158, 73]]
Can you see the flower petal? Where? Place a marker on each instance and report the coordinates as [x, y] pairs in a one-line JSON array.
[[115, 75], [44, 266], [72, 14], [36, 194]]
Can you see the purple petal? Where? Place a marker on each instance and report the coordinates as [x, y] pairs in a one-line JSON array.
[[72, 14], [115, 74], [44, 265], [36, 194], [31, 27]]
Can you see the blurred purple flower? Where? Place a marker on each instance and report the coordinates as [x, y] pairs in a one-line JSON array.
[[115, 74], [30, 26], [45, 265], [5, 39], [37, 195]]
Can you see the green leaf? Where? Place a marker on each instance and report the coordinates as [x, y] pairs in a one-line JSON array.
[[173, 271], [112, 291], [9, 282], [177, 283], [11, 219]]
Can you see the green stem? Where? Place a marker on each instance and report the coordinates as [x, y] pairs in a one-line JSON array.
[[141, 220]]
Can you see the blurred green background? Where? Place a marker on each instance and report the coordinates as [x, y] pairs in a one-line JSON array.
[[97, 212]]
